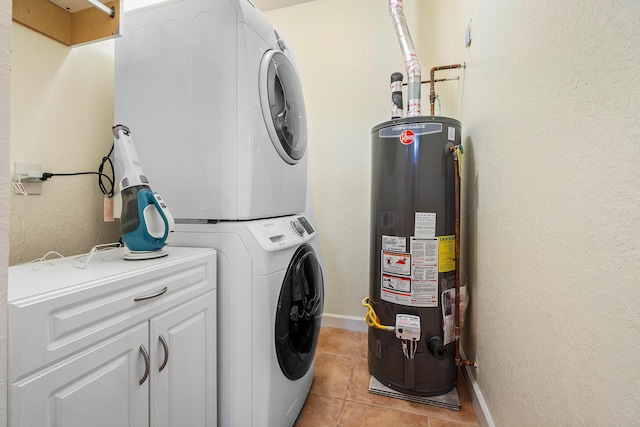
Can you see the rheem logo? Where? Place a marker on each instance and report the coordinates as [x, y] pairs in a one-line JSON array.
[[407, 137]]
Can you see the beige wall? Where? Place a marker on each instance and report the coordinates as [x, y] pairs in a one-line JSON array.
[[550, 105], [550, 112], [61, 117], [5, 49]]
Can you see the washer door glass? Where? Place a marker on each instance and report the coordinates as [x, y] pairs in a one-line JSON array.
[[299, 313], [283, 106]]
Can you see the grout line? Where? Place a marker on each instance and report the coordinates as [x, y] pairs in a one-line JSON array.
[[339, 420]]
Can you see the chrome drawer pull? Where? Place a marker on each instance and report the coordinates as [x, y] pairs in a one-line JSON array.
[[163, 291], [145, 355], [166, 353]]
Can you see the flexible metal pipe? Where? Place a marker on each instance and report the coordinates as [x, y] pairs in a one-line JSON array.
[[411, 63]]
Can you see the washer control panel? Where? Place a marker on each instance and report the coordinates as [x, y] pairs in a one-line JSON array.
[[275, 234]]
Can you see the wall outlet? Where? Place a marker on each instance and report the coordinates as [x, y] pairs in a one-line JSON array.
[[29, 176], [31, 188], [27, 172]]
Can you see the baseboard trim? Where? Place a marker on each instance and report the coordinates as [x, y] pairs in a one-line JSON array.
[[479, 405], [339, 321]]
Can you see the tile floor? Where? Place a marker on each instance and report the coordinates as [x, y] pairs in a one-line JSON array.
[[340, 395]]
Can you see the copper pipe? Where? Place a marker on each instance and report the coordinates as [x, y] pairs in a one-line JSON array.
[[424, 82], [456, 186], [432, 88]]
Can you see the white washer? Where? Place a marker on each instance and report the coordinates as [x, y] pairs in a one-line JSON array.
[[214, 103], [270, 301]]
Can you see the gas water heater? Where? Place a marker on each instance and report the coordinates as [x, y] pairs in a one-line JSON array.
[[412, 264]]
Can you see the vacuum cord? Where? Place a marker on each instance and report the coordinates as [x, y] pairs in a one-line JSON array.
[[107, 188]]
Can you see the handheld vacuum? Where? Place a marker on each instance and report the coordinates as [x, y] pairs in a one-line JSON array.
[[145, 220]]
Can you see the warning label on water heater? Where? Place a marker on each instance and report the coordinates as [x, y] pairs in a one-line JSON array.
[[410, 278], [424, 271], [394, 243], [446, 253], [394, 263], [425, 225], [396, 288]]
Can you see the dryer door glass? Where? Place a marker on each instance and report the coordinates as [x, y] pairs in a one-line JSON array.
[[283, 106], [299, 313]]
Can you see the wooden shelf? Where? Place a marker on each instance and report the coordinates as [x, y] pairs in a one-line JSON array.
[[69, 28]]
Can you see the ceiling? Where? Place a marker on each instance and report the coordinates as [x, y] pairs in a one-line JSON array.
[[263, 5], [266, 5]]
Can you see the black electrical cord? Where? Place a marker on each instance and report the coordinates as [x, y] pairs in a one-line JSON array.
[[103, 188], [107, 188]]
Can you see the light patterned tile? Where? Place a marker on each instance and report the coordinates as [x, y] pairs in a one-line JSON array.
[[357, 414], [339, 341], [363, 351], [340, 392], [320, 411], [359, 392], [466, 415], [436, 422], [332, 375]]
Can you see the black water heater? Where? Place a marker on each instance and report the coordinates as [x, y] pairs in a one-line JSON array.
[[412, 264]]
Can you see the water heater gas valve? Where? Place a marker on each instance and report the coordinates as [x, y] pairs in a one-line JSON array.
[[408, 327]]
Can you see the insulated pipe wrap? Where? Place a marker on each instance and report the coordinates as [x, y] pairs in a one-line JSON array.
[[396, 96], [411, 63]]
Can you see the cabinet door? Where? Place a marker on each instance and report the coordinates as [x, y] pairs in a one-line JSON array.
[[98, 387], [183, 373]]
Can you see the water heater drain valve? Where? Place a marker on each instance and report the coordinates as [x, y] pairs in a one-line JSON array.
[[408, 327]]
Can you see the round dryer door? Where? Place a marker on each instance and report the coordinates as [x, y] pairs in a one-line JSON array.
[[283, 106], [299, 313]]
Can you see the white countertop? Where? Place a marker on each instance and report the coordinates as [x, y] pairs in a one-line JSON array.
[[60, 274]]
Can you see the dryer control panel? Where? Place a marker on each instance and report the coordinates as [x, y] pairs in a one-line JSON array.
[[275, 234]]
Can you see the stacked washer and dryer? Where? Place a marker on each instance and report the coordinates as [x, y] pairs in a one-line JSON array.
[[212, 97]]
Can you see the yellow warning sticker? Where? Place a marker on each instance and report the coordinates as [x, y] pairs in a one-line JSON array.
[[446, 253]]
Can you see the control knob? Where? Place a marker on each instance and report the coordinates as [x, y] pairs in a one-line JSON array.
[[297, 227]]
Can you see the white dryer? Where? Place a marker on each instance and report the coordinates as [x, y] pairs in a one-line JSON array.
[[270, 302], [212, 96]]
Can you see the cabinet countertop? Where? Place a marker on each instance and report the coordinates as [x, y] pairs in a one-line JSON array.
[[59, 274]]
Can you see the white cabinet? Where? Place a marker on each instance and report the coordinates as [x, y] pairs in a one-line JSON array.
[[121, 343], [97, 387], [183, 372]]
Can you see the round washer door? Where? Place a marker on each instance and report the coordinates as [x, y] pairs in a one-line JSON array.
[[299, 313], [283, 106]]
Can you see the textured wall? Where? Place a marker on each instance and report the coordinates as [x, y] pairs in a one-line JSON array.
[[5, 49], [550, 112], [61, 117]]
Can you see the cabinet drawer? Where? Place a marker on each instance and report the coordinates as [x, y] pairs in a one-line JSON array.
[[50, 325]]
